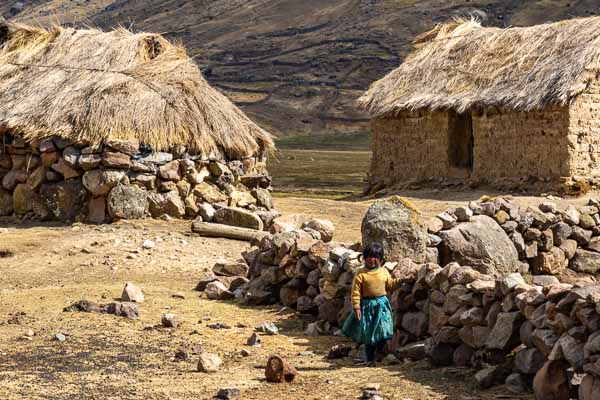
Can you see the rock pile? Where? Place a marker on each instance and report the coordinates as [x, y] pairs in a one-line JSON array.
[[497, 236], [470, 319], [60, 180]]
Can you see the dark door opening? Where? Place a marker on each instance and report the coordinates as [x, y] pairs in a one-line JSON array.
[[460, 140]]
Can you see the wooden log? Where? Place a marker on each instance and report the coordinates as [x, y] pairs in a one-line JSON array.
[[228, 232]]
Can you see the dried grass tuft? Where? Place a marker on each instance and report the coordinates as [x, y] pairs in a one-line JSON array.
[[462, 65], [89, 85]]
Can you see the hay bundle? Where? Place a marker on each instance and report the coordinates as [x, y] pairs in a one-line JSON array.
[[88, 85], [462, 65]]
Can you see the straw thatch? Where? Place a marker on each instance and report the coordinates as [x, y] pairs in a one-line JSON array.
[[89, 85], [461, 65]]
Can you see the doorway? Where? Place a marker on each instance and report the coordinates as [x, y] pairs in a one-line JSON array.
[[460, 140]]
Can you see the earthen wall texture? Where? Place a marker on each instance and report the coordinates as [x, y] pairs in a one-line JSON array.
[[413, 146], [583, 139], [509, 144]]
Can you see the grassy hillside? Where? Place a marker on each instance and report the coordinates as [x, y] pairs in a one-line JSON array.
[[296, 67]]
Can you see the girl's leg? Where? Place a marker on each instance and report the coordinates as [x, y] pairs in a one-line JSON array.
[[379, 349], [370, 350]]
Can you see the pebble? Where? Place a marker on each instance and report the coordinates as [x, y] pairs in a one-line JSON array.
[[178, 296], [268, 328], [60, 337], [148, 244], [245, 353]]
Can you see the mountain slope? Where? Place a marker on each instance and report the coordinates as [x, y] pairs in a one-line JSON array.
[[296, 67]]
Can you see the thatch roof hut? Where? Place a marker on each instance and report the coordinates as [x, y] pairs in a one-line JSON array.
[[462, 65], [90, 86], [493, 103]]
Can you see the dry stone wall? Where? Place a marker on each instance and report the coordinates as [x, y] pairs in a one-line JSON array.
[[56, 179], [507, 315]]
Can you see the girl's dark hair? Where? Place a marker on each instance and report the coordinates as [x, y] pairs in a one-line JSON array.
[[373, 250]]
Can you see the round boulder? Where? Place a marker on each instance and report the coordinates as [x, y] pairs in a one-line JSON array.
[[127, 202], [323, 226], [398, 225]]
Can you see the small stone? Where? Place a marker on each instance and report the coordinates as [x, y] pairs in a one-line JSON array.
[[228, 393], [279, 370], [245, 353], [170, 321], [463, 214], [253, 340], [268, 328], [132, 293], [339, 351], [60, 337], [209, 363], [148, 244]]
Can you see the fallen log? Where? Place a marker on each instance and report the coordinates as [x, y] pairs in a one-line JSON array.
[[228, 232]]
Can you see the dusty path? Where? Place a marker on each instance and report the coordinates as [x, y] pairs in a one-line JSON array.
[[45, 268]]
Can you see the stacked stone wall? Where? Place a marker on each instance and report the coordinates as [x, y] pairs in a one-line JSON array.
[[413, 146], [510, 327], [56, 179]]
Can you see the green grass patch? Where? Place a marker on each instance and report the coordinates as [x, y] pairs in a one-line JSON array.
[[319, 172], [359, 141]]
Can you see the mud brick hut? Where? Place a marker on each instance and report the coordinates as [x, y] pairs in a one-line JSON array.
[[490, 105], [103, 125]]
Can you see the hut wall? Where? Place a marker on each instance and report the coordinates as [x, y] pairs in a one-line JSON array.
[[59, 180], [510, 144], [412, 146], [583, 138]]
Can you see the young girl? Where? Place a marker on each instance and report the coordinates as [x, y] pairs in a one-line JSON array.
[[371, 323]]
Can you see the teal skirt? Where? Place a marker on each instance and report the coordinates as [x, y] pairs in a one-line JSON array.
[[376, 324]]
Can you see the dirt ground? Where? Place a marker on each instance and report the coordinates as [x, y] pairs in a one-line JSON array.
[[44, 268]]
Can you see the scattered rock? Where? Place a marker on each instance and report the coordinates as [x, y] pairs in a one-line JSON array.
[[170, 321], [132, 293], [279, 370], [209, 363]]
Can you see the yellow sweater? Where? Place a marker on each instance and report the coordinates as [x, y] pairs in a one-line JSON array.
[[372, 283]]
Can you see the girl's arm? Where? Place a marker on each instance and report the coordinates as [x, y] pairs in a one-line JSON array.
[[392, 283], [356, 294]]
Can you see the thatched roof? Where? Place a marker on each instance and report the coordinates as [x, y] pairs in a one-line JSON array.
[[462, 65], [89, 85]]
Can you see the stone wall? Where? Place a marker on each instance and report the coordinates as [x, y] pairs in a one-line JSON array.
[[510, 326], [510, 144], [413, 146], [56, 179]]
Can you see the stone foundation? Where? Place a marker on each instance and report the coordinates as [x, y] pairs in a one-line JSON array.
[[56, 179]]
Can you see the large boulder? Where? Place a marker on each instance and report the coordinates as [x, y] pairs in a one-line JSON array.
[[127, 202], [23, 199], [238, 217], [6, 203], [101, 182], [585, 261], [551, 382], [482, 244], [166, 203], [398, 225], [62, 201]]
